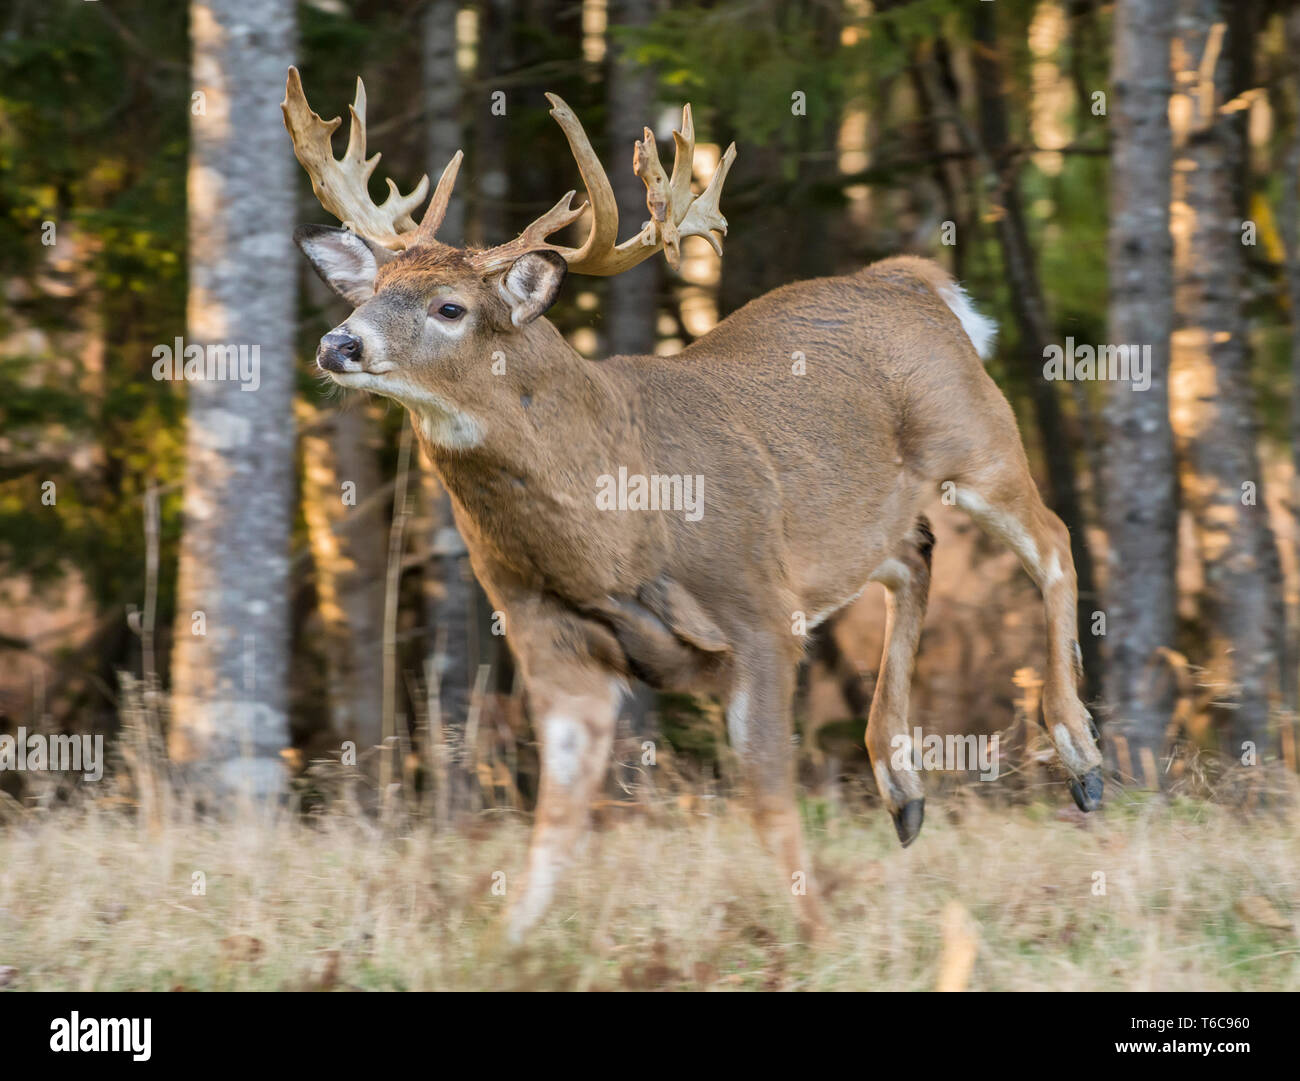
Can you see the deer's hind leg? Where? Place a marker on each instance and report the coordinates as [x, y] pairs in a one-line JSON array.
[[906, 578], [1004, 501]]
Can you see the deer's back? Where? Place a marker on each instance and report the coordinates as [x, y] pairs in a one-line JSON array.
[[781, 408]]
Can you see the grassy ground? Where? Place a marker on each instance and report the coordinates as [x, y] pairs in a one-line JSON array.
[[1195, 897]]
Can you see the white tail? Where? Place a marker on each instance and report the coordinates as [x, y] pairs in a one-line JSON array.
[[981, 330]]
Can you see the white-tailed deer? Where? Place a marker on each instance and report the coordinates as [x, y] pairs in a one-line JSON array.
[[805, 487]]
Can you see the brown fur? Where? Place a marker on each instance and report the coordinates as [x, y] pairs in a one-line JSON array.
[[814, 485]]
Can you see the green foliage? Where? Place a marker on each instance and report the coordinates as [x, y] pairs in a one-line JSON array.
[[746, 61], [692, 729], [92, 140]]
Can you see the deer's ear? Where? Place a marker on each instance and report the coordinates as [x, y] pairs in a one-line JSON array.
[[532, 284], [345, 262]]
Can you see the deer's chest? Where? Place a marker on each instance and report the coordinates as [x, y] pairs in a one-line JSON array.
[[552, 531]]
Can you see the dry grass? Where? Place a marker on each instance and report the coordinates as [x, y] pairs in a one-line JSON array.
[[90, 899]]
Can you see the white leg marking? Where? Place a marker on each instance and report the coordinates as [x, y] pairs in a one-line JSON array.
[[1008, 529], [1071, 756], [885, 782], [543, 873], [566, 742], [825, 614], [738, 720], [893, 574]]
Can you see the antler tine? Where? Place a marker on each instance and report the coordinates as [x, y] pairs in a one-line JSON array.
[[704, 217], [437, 208], [341, 183], [600, 195], [356, 151], [600, 198], [684, 161], [658, 196], [532, 238]]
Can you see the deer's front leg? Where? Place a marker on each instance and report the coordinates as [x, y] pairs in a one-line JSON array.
[[759, 726], [574, 703]]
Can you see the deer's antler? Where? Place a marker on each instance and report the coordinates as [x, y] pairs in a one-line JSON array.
[[674, 212], [341, 186], [341, 183]]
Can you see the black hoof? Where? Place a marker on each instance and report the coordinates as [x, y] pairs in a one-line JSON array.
[[908, 821], [1087, 793]]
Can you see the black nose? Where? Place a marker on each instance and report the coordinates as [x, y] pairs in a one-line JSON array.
[[339, 352]]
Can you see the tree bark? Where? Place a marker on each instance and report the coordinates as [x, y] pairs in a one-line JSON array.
[[1290, 215], [229, 719], [1211, 404], [346, 530], [1140, 508], [440, 80], [492, 153], [631, 299]]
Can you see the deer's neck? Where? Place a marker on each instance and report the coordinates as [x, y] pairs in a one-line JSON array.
[[529, 421]]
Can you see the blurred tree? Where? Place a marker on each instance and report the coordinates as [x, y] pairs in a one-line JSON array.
[[344, 507], [630, 301], [1139, 503], [442, 93], [229, 721], [1211, 402], [1290, 222], [492, 100]]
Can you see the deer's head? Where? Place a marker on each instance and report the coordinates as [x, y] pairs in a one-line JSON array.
[[426, 313]]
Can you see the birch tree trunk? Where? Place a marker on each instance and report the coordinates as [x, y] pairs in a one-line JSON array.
[[1139, 508], [229, 718]]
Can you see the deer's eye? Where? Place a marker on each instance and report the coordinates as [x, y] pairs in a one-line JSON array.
[[450, 312]]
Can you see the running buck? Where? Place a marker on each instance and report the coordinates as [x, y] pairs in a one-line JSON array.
[[816, 423]]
